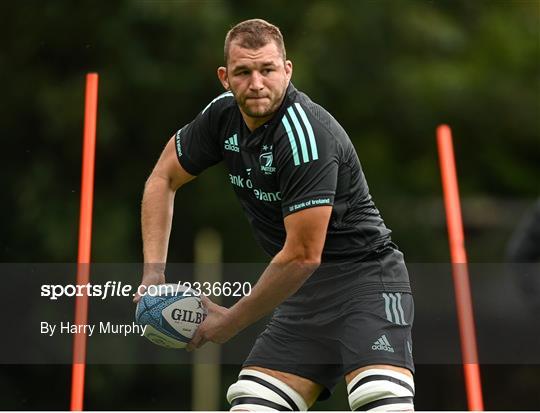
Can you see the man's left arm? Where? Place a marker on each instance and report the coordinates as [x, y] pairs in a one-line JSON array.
[[288, 270]]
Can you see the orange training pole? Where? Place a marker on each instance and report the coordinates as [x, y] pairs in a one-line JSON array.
[[85, 239], [459, 269]]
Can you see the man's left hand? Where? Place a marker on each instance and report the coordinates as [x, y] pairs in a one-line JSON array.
[[218, 327]]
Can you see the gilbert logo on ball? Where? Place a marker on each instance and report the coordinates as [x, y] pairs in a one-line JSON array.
[[172, 314]]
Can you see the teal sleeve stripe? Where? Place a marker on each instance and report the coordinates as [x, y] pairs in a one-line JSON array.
[[312, 142], [291, 140], [223, 95], [300, 133]]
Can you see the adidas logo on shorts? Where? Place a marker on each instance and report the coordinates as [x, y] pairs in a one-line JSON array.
[[231, 144], [382, 344]]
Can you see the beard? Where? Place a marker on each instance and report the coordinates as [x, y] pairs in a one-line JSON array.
[[259, 109]]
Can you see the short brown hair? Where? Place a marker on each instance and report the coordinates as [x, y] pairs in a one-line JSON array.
[[254, 34]]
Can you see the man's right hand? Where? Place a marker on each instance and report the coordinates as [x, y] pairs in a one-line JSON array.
[[149, 279]]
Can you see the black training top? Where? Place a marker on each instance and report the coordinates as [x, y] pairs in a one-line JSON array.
[[300, 159]]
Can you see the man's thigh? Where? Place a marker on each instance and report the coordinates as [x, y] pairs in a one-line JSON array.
[[377, 352], [309, 365], [350, 376], [375, 329], [308, 389]]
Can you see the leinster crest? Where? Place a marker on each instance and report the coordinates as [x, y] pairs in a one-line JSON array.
[[266, 159]]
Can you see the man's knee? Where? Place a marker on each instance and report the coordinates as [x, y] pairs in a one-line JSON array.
[[381, 389], [256, 391]]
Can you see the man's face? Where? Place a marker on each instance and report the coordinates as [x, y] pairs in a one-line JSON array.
[[258, 79]]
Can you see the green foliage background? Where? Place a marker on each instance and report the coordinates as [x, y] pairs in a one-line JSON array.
[[390, 71]]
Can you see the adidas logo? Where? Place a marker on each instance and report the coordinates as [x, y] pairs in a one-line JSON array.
[[382, 344], [231, 144]]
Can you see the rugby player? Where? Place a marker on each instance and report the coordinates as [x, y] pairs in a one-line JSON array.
[[337, 284]]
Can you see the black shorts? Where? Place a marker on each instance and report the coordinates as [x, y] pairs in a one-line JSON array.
[[323, 346]]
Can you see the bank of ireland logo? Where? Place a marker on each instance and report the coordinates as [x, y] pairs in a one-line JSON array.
[[178, 144], [266, 159], [231, 144]]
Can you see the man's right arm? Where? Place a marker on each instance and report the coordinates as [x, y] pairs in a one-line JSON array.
[[157, 212]]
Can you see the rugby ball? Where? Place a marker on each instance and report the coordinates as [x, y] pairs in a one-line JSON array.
[[171, 314]]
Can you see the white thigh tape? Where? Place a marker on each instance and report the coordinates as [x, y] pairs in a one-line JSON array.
[[256, 390], [381, 389]]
